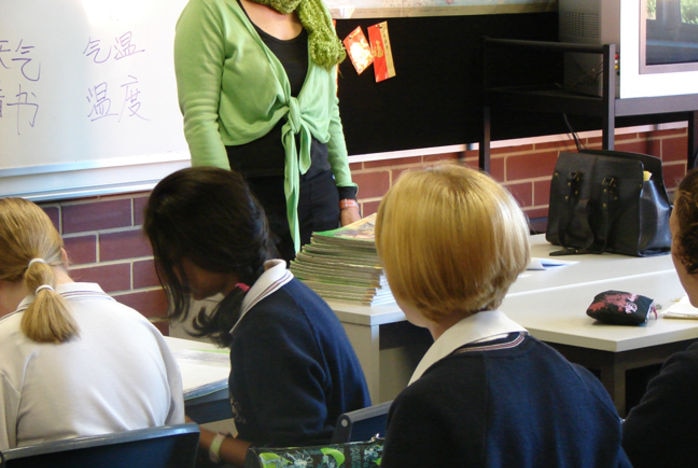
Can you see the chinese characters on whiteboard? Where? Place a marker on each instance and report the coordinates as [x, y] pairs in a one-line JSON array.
[[19, 97], [106, 97], [100, 94]]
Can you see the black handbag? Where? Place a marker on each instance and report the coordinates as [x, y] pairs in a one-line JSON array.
[[608, 201]]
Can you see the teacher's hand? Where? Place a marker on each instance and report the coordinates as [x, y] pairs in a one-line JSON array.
[[349, 214]]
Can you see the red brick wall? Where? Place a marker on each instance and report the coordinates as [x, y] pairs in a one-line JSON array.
[[105, 243], [525, 169]]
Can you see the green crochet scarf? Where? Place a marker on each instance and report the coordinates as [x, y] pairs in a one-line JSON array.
[[325, 47]]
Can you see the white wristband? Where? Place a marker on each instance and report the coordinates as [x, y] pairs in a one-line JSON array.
[[214, 450]]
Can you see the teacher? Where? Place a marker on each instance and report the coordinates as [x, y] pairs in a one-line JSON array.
[[257, 88]]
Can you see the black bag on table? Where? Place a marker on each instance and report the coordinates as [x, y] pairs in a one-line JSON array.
[[608, 201], [622, 308]]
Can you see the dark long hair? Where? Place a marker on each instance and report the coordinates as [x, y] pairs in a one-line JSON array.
[[210, 217], [686, 207]]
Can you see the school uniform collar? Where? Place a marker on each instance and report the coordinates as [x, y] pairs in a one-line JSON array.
[[275, 276], [478, 327], [68, 291]]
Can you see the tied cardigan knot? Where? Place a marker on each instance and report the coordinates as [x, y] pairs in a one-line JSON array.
[[294, 115]]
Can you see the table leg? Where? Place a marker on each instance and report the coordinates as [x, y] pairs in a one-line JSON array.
[[613, 379], [366, 342]]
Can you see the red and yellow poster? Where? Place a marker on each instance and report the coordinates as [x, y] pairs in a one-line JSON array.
[[358, 50], [383, 65]]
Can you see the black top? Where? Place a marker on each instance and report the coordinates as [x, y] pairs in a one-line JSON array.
[[265, 156]]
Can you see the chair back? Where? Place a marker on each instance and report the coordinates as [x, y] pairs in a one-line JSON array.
[[362, 424], [352, 444], [172, 446]]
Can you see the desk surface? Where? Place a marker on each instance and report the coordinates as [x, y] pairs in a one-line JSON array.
[[205, 367], [586, 269], [551, 303]]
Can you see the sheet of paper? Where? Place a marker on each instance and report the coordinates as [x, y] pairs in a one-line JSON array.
[[201, 379], [544, 263], [681, 310], [204, 366]]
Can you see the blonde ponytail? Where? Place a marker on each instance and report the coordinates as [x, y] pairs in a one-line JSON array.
[[47, 319], [30, 248]]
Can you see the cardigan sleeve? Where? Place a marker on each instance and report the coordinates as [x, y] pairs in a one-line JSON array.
[[199, 51], [336, 146]]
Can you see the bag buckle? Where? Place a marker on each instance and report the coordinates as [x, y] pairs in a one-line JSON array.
[[609, 182], [609, 185], [574, 181]]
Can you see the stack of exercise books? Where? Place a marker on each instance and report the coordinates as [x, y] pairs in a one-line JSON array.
[[342, 265]]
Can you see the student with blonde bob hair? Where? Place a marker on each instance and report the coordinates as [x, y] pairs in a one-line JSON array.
[[73, 361], [424, 242], [486, 393]]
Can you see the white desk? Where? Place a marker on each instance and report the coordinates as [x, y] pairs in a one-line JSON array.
[[205, 368], [387, 346], [551, 304]]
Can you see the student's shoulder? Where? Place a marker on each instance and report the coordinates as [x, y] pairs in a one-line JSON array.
[[450, 377], [89, 303], [294, 302], [682, 365], [437, 399], [10, 330], [691, 352], [293, 295], [302, 296]]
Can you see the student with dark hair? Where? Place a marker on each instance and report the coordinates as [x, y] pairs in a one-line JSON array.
[[73, 361], [486, 393], [293, 370], [660, 430]]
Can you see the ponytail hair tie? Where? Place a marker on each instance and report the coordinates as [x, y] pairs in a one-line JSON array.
[[42, 287], [36, 260], [242, 286]]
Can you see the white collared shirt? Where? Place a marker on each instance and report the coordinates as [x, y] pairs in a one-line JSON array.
[[275, 276], [480, 326], [117, 374]]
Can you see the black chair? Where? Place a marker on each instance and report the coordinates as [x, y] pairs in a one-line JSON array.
[[172, 446], [361, 424]]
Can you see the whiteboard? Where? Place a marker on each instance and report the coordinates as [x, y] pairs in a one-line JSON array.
[[88, 98]]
